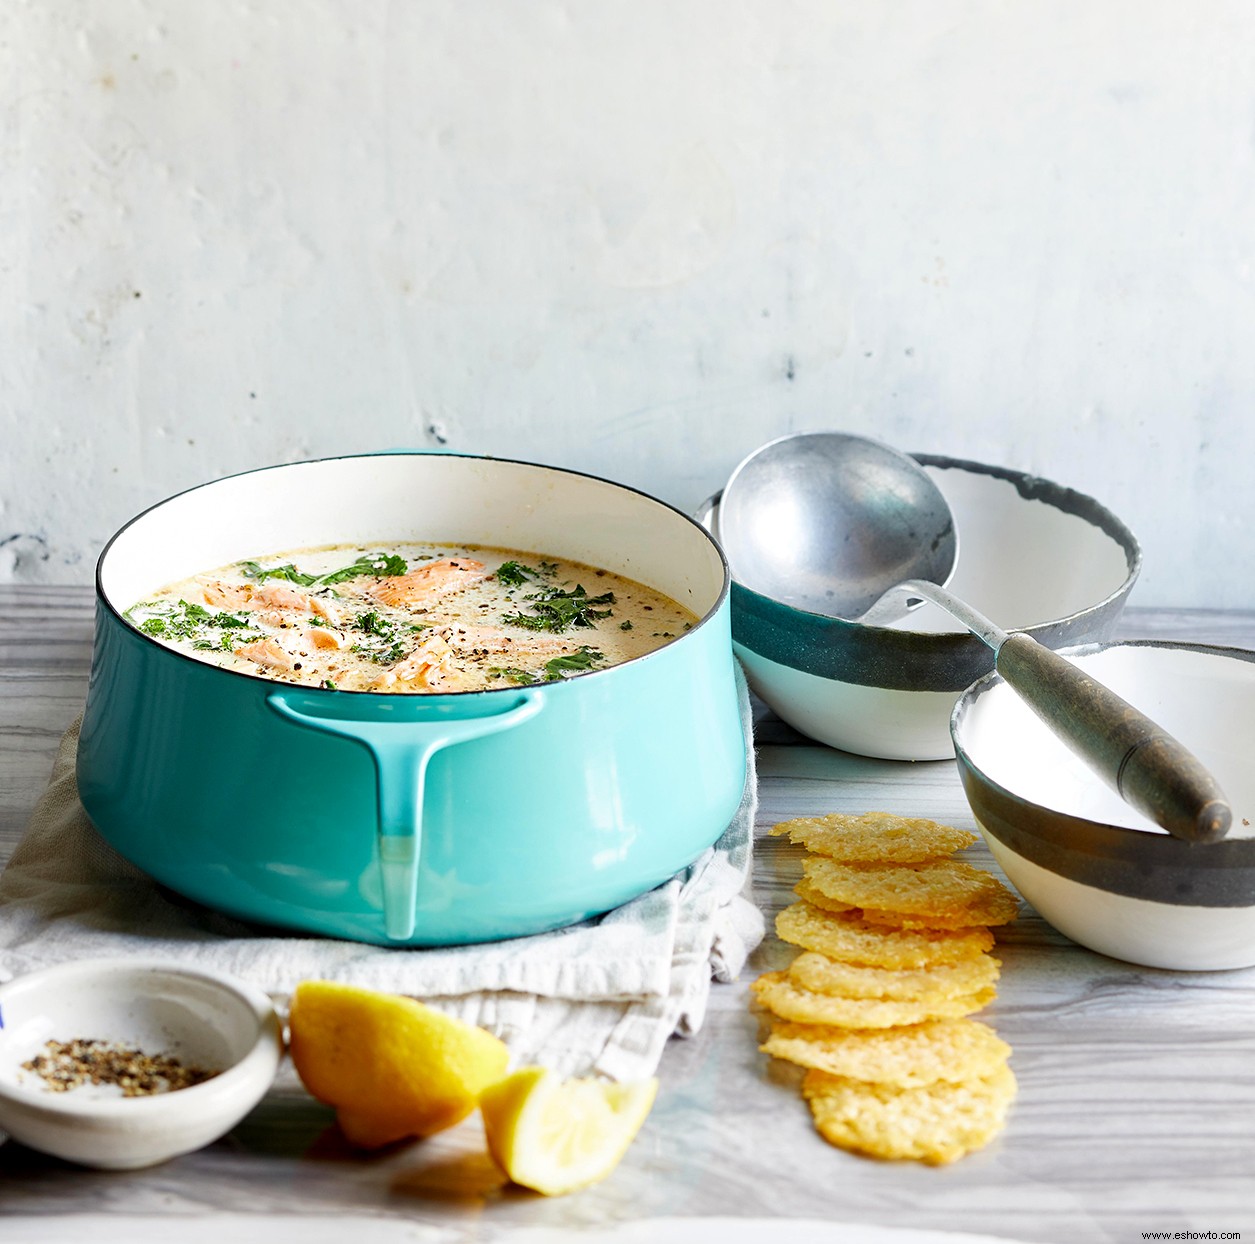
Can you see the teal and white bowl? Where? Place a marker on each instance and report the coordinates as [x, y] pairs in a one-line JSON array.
[[1033, 556], [1098, 871]]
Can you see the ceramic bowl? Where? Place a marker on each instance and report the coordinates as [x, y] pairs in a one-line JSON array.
[[1033, 556], [202, 1019], [1093, 867]]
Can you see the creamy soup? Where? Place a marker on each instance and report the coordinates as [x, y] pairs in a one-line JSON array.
[[411, 617]]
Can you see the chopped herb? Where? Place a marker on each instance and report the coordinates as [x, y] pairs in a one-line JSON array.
[[225, 621], [188, 621], [515, 574], [584, 659], [373, 624], [289, 572], [555, 610], [327, 682], [228, 641], [555, 670], [626, 624], [382, 653], [384, 648], [512, 574], [379, 564], [514, 675]]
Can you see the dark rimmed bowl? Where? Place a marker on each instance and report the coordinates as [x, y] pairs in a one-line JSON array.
[[1092, 866], [1033, 556]]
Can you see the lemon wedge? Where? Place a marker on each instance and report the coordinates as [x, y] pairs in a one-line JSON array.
[[392, 1067], [555, 1135]]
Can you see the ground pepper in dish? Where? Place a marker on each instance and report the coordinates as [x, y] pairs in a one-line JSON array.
[[68, 1065]]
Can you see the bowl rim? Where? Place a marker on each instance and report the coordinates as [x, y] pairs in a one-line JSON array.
[[1119, 859], [902, 660], [117, 615], [252, 1073]]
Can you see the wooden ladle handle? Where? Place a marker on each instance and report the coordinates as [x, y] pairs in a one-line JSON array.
[[1149, 769]]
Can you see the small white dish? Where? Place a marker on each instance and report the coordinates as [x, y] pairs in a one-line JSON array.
[[202, 1019]]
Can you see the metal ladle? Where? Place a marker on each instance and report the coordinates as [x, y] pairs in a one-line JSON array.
[[845, 526]]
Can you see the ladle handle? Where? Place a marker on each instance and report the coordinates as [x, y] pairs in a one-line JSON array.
[[1148, 767]]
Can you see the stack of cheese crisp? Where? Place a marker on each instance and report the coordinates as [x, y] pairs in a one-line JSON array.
[[895, 955]]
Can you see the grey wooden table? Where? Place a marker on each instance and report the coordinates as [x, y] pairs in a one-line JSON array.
[[1136, 1111]]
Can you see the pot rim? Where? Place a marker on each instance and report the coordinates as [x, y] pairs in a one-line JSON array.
[[103, 599]]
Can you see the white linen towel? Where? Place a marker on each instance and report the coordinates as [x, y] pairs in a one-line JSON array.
[[598, 997]]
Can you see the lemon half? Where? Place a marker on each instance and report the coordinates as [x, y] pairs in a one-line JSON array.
[[555, 1135], [392, 1067]]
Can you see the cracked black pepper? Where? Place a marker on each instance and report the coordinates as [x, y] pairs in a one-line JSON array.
[[66, 1065]]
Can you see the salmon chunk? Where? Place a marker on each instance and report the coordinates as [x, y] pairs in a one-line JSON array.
[[493, 639], [219, 595], [268, 653], [426, 666], [280, 597], [273, 602], [325, 637], [324, 609], [427, 583]]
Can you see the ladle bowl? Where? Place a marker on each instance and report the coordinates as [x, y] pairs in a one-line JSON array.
[[826, 521]]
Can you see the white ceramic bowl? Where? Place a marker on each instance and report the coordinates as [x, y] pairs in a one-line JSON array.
[[202, 1019], [1033, 556], [1093, 867]]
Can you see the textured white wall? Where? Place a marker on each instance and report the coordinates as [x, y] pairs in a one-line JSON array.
[[638, 237]]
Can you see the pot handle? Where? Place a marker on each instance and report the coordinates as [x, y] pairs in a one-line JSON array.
[[401, 747]]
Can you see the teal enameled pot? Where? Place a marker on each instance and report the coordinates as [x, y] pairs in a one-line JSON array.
[[412, 819]]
